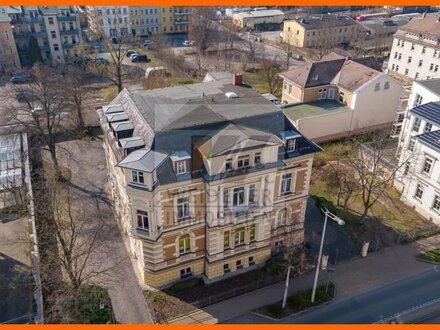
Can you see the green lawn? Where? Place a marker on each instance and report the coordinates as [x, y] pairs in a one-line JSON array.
[[298, 302], [431, 256]]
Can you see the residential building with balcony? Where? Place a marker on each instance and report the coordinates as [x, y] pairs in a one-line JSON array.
[[337, 97], [207, 179], [415, 53], [54, 29], [114, 20], [9, 60], [320, 31], [418, 146], [175, 19]]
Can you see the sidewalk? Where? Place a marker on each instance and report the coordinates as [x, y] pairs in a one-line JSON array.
[[350, 278]]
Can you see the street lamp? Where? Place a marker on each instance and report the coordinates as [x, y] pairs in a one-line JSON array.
[[340, 222], [286, 289]]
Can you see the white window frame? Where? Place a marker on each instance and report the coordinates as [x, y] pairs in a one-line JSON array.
[[428, 163], [411, 144], [236, 192], [185, 272], [416, 124], [252, 194], [286, 183], [142, 217], [241, 163], [428, 127], [138, 177], [181, 167], [229, 161], [183, 203], [186, 244], [281, 217], [420, 188], [291, 145], [257, 155], [240, 234], [436, 203]]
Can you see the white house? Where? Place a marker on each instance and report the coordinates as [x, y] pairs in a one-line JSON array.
[[419, 150]]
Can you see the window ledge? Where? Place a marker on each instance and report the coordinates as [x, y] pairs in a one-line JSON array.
[[143, 230]]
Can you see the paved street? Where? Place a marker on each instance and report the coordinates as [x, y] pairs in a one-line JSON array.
[[380, 303], [350, 277]]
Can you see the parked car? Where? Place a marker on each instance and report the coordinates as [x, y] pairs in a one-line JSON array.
[[297, 57], [188, 43], [101, 60], [25, 95], [134, 55], [130, 52], [21, 78], [139, 58]]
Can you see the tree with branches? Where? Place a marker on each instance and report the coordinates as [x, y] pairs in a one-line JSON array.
[[269, 72]]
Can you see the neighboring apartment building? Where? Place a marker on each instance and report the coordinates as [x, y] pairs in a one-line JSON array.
[[419, 176], [337, 97], [208, 179], [139, 20], [259, 20], [415, 53], [320, 31], [144, 20], [9, 60], [55, 32]]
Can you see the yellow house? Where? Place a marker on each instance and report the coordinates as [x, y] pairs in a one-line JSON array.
[[174, 19], [208, 179], [322, 31]]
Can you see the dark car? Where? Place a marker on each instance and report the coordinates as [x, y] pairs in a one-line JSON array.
[[25, 95], [139, 58], [101, 60], [21, 78], [130, 52]]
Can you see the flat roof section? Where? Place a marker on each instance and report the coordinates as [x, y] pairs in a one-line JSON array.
[[317, 108]]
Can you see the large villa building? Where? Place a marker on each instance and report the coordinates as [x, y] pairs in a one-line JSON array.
[[208, 179]]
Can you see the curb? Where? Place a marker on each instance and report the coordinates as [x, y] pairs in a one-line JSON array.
[[304, 311]]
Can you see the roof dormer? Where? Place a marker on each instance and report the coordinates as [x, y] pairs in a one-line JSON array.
[[290, 139], [181, 162]]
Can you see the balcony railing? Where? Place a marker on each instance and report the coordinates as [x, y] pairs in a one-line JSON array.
[[71, 31], [62, 18], [29, 19], [180, 22]]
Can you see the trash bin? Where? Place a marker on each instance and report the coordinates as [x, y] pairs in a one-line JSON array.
[[324, 262], [364, 250]]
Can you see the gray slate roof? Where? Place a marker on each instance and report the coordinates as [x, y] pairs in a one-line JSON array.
[[143, 160], [431, 84], [428, 111], [131, 142], [197, 104], [325, 21], [431, 139]]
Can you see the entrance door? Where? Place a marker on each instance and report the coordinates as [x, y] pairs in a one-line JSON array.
[[331, 93]]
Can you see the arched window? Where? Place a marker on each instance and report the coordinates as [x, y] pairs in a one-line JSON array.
[[184, 244], [281, 217]]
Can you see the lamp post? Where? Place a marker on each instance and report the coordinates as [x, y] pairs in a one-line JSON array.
[[340, 222]]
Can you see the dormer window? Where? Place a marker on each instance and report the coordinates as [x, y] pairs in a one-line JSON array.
[[181, 167], [291, 145], [228, 165], [180, 162], [243, 161], [137, 177]]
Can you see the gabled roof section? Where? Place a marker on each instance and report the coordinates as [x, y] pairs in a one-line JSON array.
[[143, 160], [431, 139], [233, 136], [428, 111], [347, 73]]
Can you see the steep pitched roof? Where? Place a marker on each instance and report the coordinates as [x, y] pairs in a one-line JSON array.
[[349, 74], [428, 25], [432, 84], [428, 111], [431, 139]]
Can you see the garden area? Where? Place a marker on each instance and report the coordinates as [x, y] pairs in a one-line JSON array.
[[187, 295], [342, 183], [299, 302]]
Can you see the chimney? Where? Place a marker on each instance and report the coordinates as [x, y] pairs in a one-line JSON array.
[[237, 79]]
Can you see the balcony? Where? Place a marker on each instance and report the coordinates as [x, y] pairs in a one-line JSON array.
[[39, 34], [71, 18], [29, 19], [68, 45], [182, 13], [178, 22], [67, 32]]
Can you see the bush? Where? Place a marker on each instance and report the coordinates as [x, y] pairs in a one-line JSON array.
[[92, 298], [276, 265], [186, 284]]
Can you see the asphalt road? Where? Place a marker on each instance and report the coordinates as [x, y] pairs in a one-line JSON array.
[[383, 303]]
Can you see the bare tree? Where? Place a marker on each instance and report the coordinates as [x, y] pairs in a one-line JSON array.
[[287, 44], [77, 93], [117, 47], [43, 108], [270, 71], [252, 48], [201, 27]]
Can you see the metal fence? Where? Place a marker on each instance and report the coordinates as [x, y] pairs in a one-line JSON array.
[[416, 234]]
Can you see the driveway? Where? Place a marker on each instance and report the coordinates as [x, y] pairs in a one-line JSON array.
[[15, 272], [337, 244], [85, 159]]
